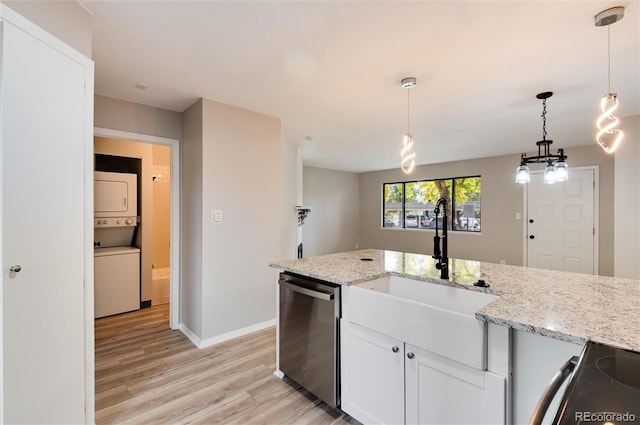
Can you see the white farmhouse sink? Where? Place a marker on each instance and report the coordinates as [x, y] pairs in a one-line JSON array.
[[443, 296], [438, 318]]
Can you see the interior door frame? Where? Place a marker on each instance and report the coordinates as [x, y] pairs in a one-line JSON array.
[[174, 248], [596, 215]]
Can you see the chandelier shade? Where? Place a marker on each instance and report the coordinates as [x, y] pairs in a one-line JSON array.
[[556, 169]]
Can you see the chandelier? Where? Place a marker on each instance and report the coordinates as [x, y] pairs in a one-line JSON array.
[[556, 169]]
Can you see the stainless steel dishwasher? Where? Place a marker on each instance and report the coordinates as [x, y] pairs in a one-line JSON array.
[[309, 335]]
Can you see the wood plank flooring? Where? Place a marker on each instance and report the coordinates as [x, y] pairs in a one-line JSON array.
[[149, 374]]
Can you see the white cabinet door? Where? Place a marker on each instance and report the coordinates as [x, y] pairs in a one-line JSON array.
[[442, 391], [375, 373], [45, 153]]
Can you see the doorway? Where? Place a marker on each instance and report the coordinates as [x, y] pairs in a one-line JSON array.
[[561, 223], [161, 228], [173, 183]]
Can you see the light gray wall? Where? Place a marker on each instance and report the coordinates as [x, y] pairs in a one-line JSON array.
[[502, 235], [233, 161], [333, 224], [627, 201], [66, 20], [121, 115], [191, 219], [289, 218], [241, 153]]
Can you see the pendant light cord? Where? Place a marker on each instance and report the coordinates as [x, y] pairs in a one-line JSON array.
[[408, 109], [544, 119], [609, 57]]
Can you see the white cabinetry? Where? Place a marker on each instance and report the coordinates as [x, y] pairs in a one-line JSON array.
[[387, 381], [374, 389], [413, 352], [442, 391]]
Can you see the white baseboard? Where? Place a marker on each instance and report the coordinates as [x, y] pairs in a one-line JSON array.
[[208, 342], [189, 334]]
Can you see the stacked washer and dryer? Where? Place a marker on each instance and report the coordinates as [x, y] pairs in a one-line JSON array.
[[117, 261]]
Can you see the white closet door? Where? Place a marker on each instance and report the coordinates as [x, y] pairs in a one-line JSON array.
[[43, 114]]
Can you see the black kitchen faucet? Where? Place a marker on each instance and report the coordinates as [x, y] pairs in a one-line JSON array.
[[443, 260]]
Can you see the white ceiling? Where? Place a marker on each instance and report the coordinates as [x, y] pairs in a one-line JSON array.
[[331, 70]]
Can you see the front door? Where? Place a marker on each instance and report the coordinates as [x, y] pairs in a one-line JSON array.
[[560, 223], [43, 137]]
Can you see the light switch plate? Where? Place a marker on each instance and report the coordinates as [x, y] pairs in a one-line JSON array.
[[216, 216]]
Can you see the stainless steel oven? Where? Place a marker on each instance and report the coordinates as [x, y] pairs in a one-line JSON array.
[[309, 335], [603, 389]]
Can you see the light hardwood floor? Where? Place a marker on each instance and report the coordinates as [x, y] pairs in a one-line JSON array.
[[149, 374]]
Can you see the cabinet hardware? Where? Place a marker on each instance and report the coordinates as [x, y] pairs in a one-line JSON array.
[[395, 349], [410, 355]]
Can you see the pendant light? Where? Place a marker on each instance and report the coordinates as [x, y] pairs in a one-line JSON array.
[[556, 169], [608, 136], [407, 154]]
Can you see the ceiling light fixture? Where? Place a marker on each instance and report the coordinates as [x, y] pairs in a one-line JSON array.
[[608, 136], [407, 154], [556, 169]]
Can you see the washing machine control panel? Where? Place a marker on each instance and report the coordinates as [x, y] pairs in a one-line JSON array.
[[115, 222]]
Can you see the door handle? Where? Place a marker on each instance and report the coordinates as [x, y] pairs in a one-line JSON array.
[[309, 292], [16, 268], [552, 389], [531, 237]]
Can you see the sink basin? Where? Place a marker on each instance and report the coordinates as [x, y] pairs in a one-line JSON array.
[[446, 297], [438, 318]]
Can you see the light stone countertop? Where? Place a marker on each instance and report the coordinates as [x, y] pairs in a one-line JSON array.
[[568, 306]]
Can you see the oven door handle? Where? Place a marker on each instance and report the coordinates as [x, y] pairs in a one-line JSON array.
[[551, 390], [305, 291]]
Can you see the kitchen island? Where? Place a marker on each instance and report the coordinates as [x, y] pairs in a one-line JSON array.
[[567, 306], [535, 321]]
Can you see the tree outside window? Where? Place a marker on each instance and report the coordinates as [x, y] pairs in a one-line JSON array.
[[410, 205]]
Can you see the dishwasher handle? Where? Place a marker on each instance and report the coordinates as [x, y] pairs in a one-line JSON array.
[[326, 296], [551, 390]]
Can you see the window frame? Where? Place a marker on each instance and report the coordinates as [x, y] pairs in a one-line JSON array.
[[403, 207]]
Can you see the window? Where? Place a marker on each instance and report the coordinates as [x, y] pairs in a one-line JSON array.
[[410, 205], [393, 201]]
